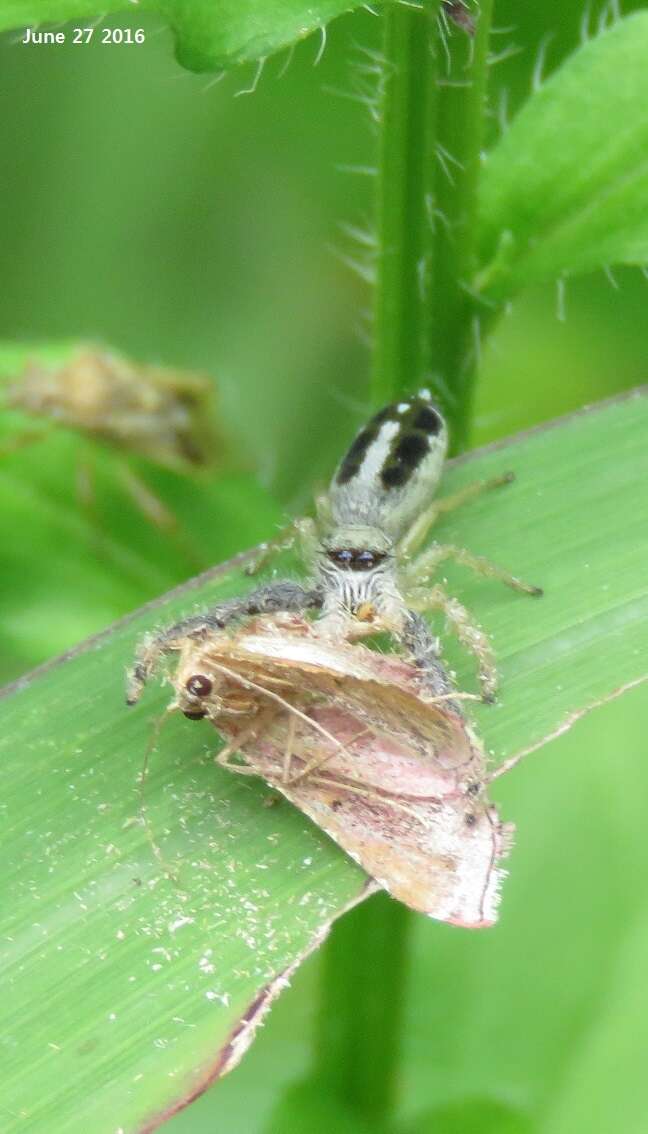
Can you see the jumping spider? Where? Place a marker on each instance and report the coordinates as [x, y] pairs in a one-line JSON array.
[[365, 573]]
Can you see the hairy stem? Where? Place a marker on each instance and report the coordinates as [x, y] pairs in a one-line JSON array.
[[428, 323], [455, 319], [405, 188]]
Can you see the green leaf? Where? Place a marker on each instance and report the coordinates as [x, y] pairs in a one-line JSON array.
[[209, 34], [565, 190], [127, 988]]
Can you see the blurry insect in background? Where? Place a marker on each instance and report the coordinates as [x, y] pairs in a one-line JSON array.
[[366, 570], [163, 415], [362, 744], [459, 13]]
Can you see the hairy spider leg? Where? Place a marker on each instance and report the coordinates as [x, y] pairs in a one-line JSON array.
[[283, 595], [302, 531], [468, 632], [420, 569], [416, 535], [283, 541], [423, 646]]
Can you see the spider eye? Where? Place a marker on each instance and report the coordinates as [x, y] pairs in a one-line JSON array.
[[343, 557], [199, 685], [197, 716], [356, 559]]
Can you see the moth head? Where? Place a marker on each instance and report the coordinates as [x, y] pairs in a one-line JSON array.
[[211, 691]]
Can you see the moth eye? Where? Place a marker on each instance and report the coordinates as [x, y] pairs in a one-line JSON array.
[[199, 685]]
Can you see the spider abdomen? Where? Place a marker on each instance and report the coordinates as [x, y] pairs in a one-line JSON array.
[[393, 467]]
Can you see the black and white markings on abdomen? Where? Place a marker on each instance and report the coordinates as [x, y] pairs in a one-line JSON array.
[[393, 444]]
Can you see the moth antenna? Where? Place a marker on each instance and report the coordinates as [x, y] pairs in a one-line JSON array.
[[247, 683]]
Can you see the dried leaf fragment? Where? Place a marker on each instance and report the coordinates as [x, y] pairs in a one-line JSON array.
[[162, 414]]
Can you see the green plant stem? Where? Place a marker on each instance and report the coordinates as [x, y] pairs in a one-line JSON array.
[[428, 323], [359, 1038], [454, 318], [405, 187], [425, 332]]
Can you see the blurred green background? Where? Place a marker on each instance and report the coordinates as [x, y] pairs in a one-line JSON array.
[[190, 224]]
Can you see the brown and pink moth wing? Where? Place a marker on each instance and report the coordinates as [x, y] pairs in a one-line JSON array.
[[437, 855], [395, 780], [433, 749]]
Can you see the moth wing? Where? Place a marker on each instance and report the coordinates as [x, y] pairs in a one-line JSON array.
[[374, 774], [439, 858], [438, 855], [379, 688]]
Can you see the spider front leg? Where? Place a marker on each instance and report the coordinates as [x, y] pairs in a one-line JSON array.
[[302, 531], [468, 631], [415, 635], [283, 541], [283, 595]]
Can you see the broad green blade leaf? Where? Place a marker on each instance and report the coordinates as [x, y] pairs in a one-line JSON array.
[[128, 985], [210, 34], [565, 190], [114, 527]]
